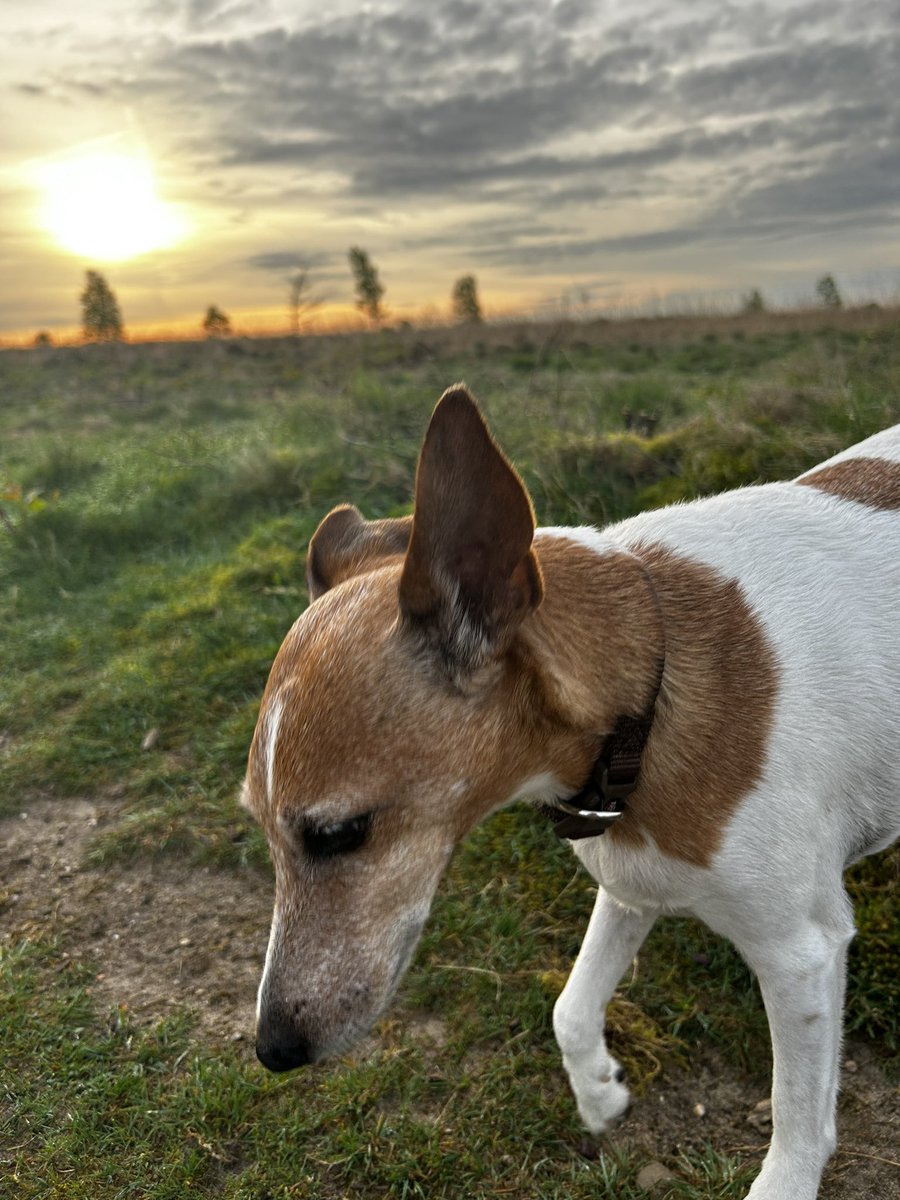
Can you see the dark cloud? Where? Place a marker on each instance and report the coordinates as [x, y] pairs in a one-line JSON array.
[[463, 82], [474, 101], [860, 184], [828, 201], [780, 78], [283, 261]]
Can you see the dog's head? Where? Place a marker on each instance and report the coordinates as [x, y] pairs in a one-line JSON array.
[[399, 711]]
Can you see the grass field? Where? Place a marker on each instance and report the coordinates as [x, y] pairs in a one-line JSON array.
[[155, 505]]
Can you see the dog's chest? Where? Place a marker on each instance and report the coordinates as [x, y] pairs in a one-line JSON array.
[[642, 877]]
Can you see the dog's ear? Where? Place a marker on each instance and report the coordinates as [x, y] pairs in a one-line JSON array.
[[345, 544], [470, 575]]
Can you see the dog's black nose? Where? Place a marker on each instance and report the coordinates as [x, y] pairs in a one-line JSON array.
[[284, 1055]]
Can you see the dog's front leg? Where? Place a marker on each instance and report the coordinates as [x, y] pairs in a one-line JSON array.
[[613, 937]]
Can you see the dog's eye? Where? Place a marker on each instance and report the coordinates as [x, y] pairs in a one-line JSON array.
[[339, 837]]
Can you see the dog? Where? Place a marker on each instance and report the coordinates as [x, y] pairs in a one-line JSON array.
[[704, 698]]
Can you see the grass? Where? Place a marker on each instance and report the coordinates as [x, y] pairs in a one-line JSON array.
[[156, 502], [98, 1107]]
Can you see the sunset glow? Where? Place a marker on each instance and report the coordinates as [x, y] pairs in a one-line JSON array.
[[104, 206]]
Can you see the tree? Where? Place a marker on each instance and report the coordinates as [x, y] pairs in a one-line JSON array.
[[369, 288], [216, 323], [301, 301], [465, 300], [43, 338], [753, 302], [827, 291], [101, 318]]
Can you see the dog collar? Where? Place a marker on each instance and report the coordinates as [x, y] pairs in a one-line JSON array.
[[614, 775]]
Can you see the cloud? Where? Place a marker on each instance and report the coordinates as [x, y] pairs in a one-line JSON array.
[[473, 101], [286, 261], [398, 96]]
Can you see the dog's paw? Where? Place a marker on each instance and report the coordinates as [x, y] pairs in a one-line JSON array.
[[783, 1178], [600, 1093]]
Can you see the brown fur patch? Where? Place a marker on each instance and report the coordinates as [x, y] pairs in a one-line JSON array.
[[595, 641], [708, 745], [871, 481]]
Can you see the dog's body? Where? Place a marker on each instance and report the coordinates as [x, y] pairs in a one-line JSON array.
[[456, 660]]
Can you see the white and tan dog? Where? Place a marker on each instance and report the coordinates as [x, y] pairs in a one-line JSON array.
[[456, 660]]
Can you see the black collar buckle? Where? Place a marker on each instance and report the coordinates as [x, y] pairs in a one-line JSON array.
[[591, 811], [613, 777]]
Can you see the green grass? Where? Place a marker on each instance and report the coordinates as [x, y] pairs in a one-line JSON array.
[[156, 504], [96, 1107]]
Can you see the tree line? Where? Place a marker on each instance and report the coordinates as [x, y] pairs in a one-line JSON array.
[[101, 316], [827, 294]]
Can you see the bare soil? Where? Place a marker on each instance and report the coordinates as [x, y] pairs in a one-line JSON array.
[[167, 935]]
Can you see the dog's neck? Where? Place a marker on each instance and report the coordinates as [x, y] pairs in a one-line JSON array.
[[597, 639], [596, 643]]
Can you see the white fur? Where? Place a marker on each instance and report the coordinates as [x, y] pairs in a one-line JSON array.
[[273, 720], [274, 937], [823, 576]]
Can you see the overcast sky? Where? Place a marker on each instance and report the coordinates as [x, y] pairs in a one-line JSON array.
[[596, 150]]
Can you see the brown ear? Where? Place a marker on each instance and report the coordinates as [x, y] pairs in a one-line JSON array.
[[470, 575], [345, 544]]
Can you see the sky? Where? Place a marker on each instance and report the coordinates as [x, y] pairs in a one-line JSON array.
[[576, 156]]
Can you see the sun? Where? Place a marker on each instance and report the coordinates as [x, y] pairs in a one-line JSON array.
[[104, 206]]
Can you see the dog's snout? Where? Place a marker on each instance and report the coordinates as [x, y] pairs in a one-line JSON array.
[[283, 1053]]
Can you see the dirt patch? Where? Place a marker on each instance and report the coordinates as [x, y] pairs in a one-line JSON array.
[[166, 935], [712, 1105]]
